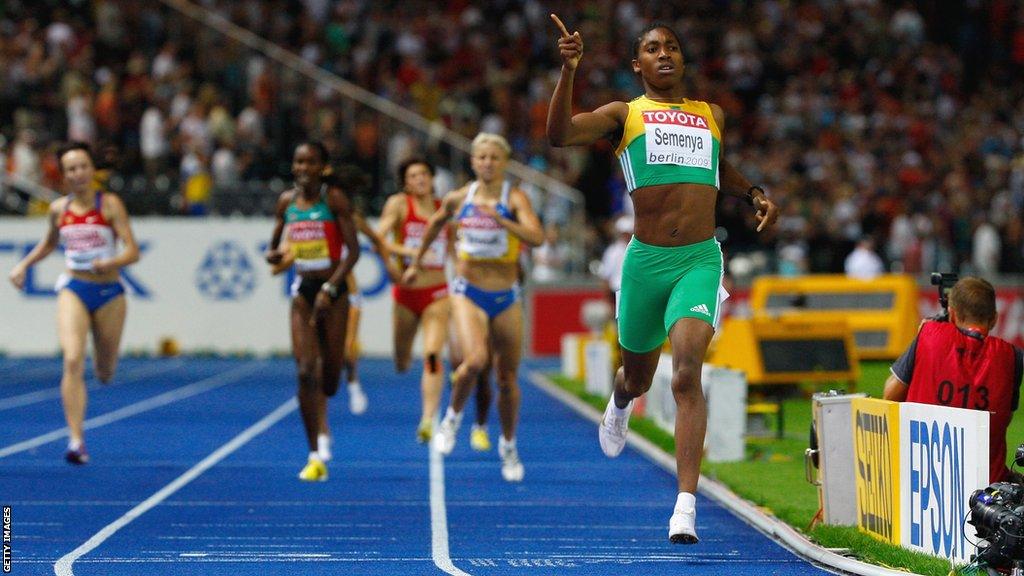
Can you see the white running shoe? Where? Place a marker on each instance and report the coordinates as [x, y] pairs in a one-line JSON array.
[[612, 431], [511, 466], [323, 447], [444, 436], [357, 401], [682, 526]]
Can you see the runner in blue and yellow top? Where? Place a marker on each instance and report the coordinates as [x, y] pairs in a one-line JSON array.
[[670, 148], [316, 218], [492, 218]]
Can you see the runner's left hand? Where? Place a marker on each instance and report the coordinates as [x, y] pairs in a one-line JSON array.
[[102, 266], [767, 212], [321, 305]]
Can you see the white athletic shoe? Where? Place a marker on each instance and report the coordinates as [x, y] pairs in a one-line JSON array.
[[357, 401], [511, 467], [613, 429], [682, 526], [445, 435], [323, 447]]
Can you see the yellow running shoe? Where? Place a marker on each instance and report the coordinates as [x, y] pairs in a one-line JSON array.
[[315, 471], [478, 438], [425, 431]]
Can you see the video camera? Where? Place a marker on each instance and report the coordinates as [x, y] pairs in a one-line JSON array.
[[997, 514], [945, 281]]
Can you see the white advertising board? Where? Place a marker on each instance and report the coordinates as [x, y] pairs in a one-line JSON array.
[[202, 282], [943, 459], [725, 392]]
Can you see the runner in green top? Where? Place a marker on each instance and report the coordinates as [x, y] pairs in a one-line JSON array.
[[670, 148], [316, 219]]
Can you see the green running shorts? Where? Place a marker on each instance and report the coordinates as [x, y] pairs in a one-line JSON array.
[[662, 284]]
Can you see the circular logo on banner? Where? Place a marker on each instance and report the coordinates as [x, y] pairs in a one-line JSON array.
[[226, 273]]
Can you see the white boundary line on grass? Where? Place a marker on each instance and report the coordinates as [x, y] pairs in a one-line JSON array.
[[130, 410], [770, 526], [63, 567], [54, 391], [439, 514]]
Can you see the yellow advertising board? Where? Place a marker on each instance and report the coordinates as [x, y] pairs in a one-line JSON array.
[[787, 349], [882, 312], [876, 429]]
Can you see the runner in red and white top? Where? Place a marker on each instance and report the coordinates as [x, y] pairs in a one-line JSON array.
[[86, 237], [90, 298], [403, 221]]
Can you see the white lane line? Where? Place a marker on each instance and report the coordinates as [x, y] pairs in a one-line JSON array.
[[274, 538], [351, 503], [268, 525], [233, 559], [439, 515], [54, 392], [579, 527], [63, 567], [168, 397]]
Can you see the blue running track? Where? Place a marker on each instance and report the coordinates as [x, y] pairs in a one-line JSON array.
[[194, 465]]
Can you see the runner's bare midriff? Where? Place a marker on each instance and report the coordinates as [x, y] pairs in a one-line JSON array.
[[324, 274], [674, 214], [104, 278], [427, 278], [491, 276]]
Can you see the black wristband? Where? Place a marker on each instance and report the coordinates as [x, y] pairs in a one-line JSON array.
[[750, 194]]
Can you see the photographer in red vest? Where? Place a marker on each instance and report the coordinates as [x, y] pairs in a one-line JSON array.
[[956, 363]]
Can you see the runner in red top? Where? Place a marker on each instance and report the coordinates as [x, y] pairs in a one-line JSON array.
[[425, 301], [90, 297]]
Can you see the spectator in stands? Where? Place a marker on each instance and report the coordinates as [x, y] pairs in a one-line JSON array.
[[985, 255], [877, 109], [864, 263], [197, 183], [957, 363], [25, 162], [611, 260], [549, 259], [154, 144]]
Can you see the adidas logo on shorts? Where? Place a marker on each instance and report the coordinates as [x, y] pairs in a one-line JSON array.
[[702, 308]]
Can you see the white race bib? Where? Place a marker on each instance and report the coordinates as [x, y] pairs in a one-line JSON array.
[[487, 243], [434, 256], [677, 137]]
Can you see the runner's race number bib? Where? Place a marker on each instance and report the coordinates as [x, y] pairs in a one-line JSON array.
[[677, 137]]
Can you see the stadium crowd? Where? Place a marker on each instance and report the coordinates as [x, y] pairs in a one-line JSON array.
[[901, 122]]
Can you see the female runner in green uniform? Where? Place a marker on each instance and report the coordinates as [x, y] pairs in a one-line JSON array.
[[670, 148]]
